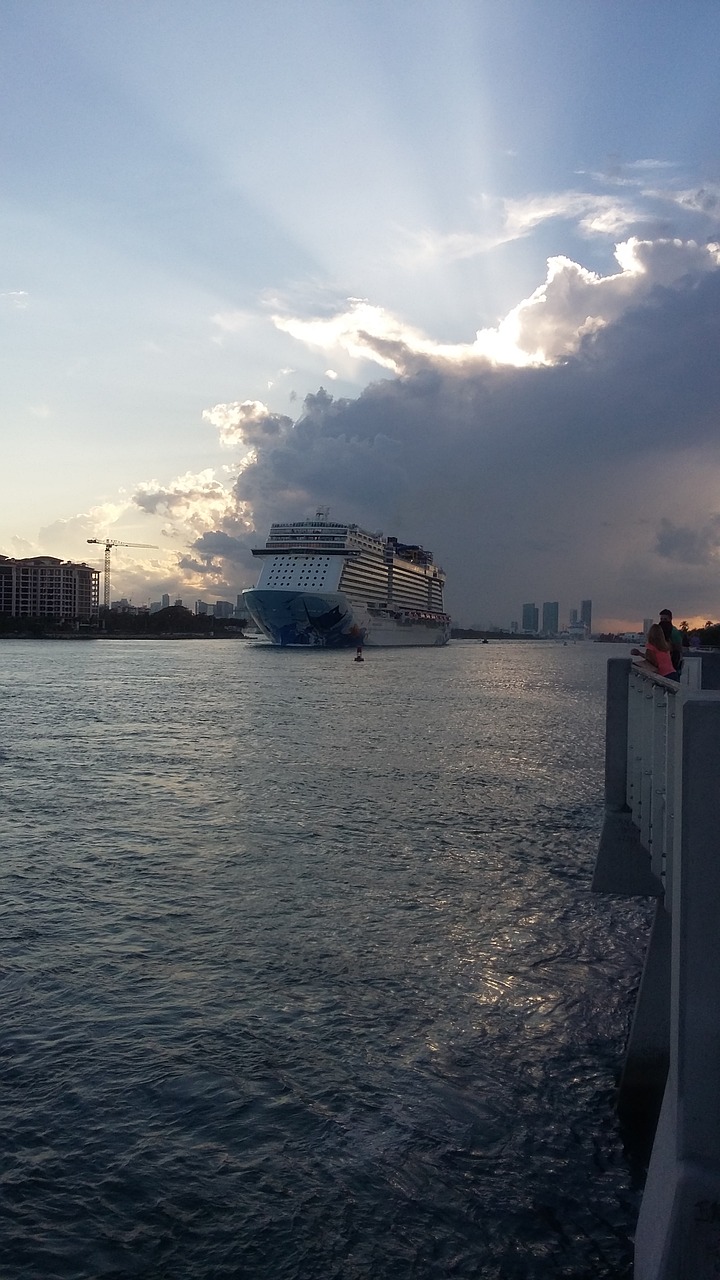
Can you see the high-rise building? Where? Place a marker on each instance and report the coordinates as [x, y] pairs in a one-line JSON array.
[[586, 615], [223, 609], [573, 617], [647, 623], [530, 618], [166, 601], [550, 618], [45, 587]]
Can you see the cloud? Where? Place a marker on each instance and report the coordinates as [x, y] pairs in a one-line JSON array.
[[17, 298], [690, 544], [135, 569], [191, 503], [650, 164], [602, 214], [216, 560], [232, 321], [571, 452], [503, 220], [704, 200], [248, 423], [565, 478], [543, 328], [646, 197], [217, 543], [22, 548], [69, 536]]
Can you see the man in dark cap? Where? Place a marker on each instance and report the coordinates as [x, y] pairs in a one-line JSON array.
[[673, 637]]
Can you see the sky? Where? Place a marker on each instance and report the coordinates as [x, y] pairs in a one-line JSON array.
[[450, 268]]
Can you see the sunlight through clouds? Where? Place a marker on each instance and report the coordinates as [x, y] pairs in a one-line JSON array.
[[547, 326], [370, 265]]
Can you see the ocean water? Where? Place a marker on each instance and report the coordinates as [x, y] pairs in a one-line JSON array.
[[301, 973]]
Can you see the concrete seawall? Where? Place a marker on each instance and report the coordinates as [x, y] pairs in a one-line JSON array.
[[661, 839]]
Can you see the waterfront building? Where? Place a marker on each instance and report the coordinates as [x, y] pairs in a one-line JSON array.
[[201, 608], [573, 617], [550, 618], [586, 615], [155, 607], [166, 601], [127, 607], [46, 587], [223, 609], [530, 618]]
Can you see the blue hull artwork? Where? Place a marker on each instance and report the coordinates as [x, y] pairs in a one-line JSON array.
[[300, 618]]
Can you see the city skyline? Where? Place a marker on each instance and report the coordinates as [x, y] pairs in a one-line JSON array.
[[549, 622], [435, 288]]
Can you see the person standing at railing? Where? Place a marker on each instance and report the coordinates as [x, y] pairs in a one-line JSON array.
[[673, 637], [657, 653]]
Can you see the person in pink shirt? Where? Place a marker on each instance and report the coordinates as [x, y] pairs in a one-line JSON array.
[[658, 653]]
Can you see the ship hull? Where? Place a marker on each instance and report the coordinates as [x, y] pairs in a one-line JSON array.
[[302, 619]]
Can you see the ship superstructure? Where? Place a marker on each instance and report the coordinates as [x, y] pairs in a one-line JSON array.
[[327, 583]]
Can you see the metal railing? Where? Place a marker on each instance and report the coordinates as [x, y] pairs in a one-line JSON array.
[[662, 793], [653, 725]]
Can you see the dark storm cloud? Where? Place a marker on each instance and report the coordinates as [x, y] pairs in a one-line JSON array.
[[217, 544], [545, 481], [218, 556], [688, 544]]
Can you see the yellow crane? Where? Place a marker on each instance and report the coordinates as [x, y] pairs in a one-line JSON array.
[[108, 544]]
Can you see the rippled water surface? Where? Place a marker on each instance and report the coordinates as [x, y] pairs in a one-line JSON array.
[[301, 973]]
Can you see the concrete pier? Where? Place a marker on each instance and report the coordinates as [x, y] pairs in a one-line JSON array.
[[661, 838]]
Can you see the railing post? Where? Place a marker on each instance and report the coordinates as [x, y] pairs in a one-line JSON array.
[[678, 1234], [616, 733], [622, 865], [672, 798], [634, 757], [658, 776], [646, 779]]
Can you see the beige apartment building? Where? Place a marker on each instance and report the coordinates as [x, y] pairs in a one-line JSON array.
[[45, 587]]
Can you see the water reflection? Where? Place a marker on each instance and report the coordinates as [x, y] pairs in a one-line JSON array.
[[306, 974]]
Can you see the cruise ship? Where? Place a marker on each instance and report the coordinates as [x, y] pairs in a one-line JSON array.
[[336, 585]]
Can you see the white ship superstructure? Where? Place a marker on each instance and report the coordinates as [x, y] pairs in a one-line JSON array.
[[327, 583]]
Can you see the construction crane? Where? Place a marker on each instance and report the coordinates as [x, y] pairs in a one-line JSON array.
[[108, 544]]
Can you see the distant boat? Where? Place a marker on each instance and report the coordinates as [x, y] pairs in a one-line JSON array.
[[335, 585]]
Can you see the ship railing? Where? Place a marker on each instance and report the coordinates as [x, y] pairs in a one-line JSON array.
[[306, 550]]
